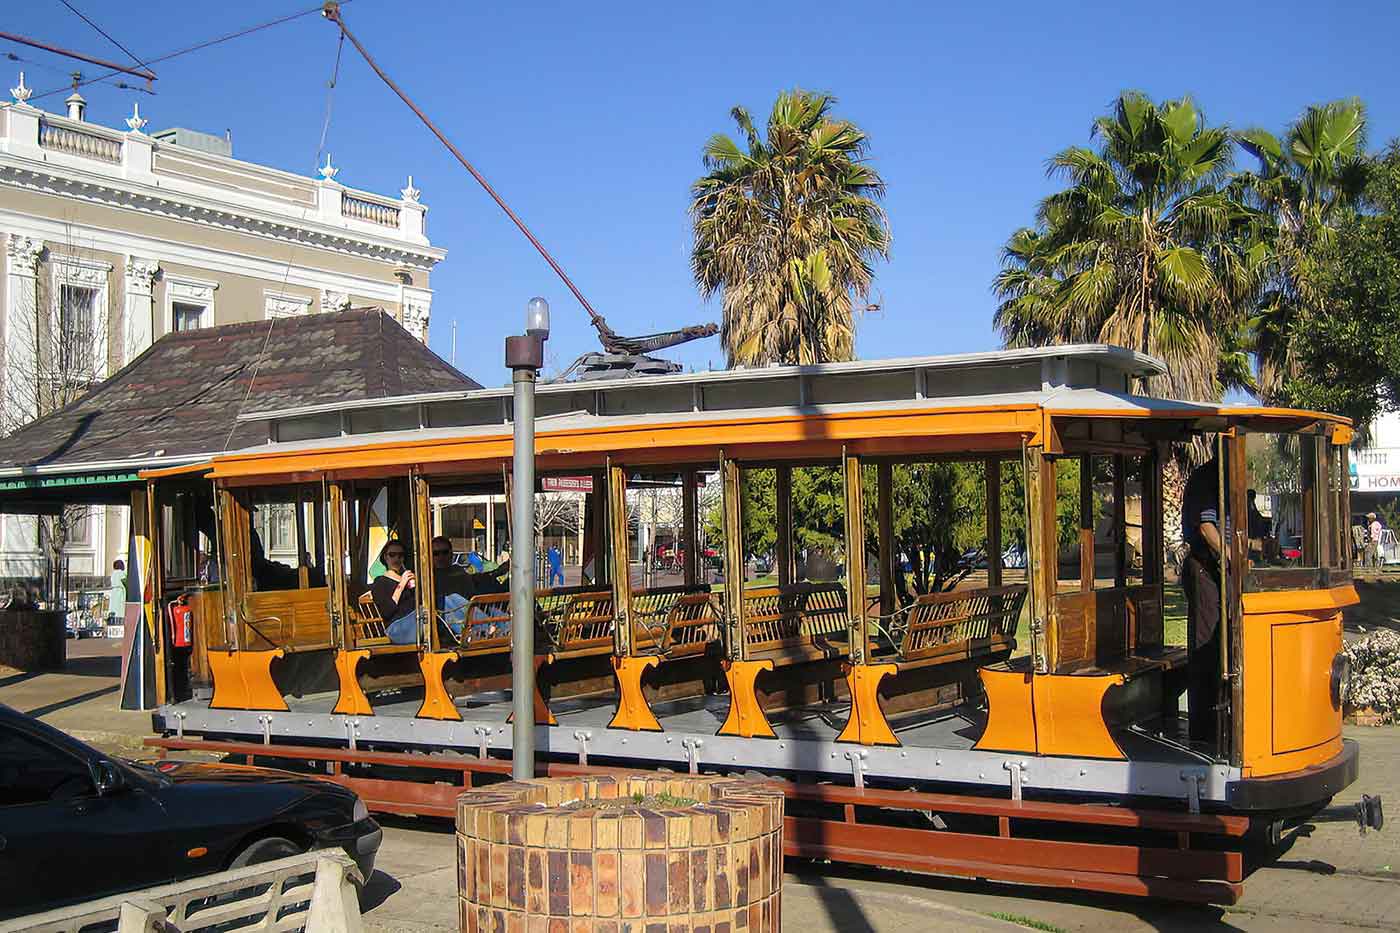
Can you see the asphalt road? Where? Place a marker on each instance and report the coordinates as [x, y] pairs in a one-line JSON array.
[[1327, 878]]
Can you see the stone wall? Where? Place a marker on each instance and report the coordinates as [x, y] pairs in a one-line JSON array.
[[583, 855], [32, 639]]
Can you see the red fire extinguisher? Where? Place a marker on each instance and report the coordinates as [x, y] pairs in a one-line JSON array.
[[181, 622]]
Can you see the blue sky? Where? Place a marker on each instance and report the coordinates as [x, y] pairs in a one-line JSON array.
[[590, 118]]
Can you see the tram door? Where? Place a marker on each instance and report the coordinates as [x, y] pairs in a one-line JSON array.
[[1289, 579]]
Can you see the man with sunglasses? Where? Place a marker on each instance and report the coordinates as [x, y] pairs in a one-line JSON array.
[[455, 587]]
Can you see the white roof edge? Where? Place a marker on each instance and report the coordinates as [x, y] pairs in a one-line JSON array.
[[129, 463], [1121, 358]]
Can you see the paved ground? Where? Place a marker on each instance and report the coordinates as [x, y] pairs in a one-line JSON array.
[[1327, 879]]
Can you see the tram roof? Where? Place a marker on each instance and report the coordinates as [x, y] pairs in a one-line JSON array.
[[1003, 397], [1074, 366]]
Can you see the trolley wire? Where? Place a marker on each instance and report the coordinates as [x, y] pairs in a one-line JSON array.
[[199, 46], [105, 34], [331, 11], [291, 254]]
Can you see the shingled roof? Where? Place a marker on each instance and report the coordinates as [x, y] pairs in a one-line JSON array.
[[179, 400]]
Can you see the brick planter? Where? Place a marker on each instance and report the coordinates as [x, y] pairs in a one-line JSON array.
[[579, 855]]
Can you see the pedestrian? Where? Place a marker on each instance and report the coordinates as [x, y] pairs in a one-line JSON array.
[[116, 596], [1373, 531], [556, 565]]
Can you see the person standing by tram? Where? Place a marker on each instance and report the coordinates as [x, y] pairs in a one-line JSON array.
[[1200, 582]]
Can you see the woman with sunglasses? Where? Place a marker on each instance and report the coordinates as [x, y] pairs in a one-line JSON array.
[[394, 595]]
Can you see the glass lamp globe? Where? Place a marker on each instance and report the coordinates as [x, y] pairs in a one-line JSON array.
[[537, 318]]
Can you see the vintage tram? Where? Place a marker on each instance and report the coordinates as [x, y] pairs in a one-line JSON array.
[[1018, 697]]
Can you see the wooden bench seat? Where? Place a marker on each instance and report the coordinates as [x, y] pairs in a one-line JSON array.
[[367, 630], [652, 614], [796, 623], [583, 626], [688, 630], [956, 625], [1142, 661]]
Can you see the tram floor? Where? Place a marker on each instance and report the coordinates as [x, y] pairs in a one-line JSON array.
[[955, 728]]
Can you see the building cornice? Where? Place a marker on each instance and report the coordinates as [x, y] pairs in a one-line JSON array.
[[76, 159], [134, 196]]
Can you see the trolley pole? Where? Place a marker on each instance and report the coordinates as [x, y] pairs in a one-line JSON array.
[[525, 357]]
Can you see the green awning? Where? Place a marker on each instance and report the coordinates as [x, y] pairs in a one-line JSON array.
[[65, 481]]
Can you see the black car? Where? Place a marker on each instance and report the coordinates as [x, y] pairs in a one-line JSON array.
[[76, 824]]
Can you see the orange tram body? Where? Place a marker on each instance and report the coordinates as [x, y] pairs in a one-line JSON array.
[[1015, 713]]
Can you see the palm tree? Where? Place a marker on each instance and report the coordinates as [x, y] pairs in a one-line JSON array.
[[1146, 248], [1305, 184], [787, 228]]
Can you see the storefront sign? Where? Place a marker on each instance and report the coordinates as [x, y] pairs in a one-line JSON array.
[[1383, 483]]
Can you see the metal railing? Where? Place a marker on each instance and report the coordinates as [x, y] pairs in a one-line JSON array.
[[386, 215], [314, 891], [79, 143]]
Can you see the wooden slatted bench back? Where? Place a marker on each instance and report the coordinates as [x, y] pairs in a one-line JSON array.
[[691, 626], [777, 618], [586, 624], [824, 609], [483, 610], [961, 621], [366, 629], [651, 611]]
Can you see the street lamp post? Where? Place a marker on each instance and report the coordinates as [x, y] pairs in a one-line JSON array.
[[525, 357]]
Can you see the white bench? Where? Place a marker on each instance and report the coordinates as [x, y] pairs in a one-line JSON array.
[[314, 891]]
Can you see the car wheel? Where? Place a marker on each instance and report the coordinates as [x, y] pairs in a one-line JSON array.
[[265, 850]]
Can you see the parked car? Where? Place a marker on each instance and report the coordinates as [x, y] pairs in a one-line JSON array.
[[1291, 548], [130, 825]]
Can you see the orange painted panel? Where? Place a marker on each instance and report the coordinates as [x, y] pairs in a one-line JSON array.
[[1303, 713], [1069, 715], [1290, 638], [918, 428], [1010, 720]]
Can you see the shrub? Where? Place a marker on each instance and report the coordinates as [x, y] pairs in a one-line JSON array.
[[1375, 673]]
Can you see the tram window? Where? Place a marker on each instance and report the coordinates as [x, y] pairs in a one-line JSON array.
[[761, 526], [1013, 522], [1338, 500], [709, 498], [1281, 500], [1074, 523], [472, 513], [288, 537], [561, 529], [656, 528], [818, 524], [376, 511], [1102, 505], [1136, 521], [187, 535]]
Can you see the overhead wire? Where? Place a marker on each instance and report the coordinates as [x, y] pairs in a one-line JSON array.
[[105, 34], [199, 46], [332, 13], [291, 254]]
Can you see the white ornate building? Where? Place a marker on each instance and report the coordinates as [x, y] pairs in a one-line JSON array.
[[113, 238]]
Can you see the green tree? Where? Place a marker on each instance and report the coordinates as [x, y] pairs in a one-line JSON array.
[[1306, 184], [1146, 249], [1345, 344], [787, 228]]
